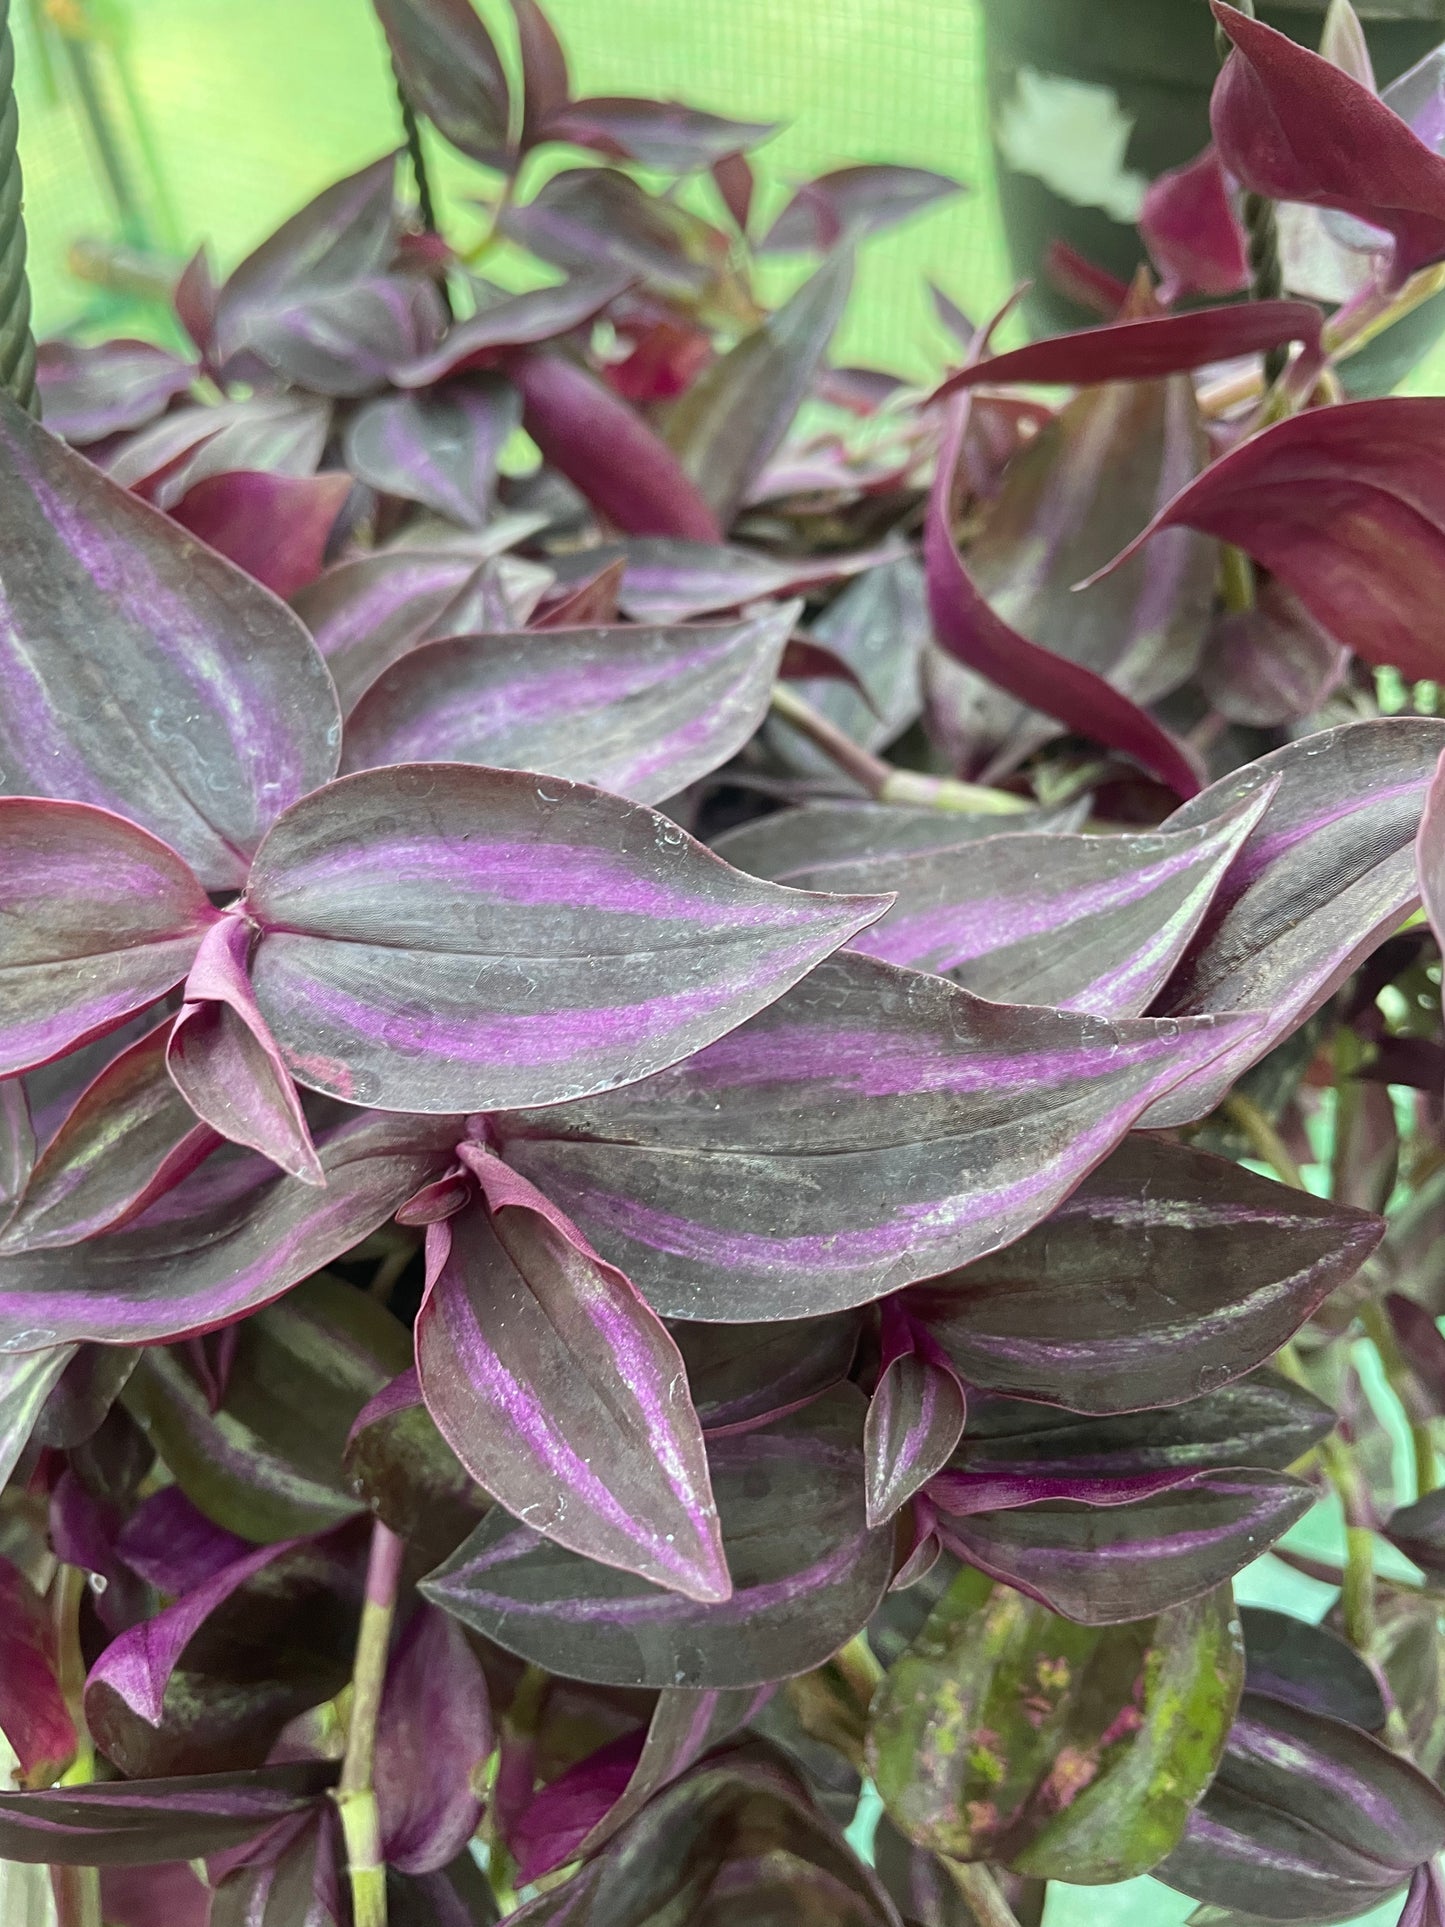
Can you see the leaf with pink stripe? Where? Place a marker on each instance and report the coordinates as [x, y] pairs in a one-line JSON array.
[[639, 711], [439, 938], [874, 1127], [100, 919], [915, 1417], [560, 1390]]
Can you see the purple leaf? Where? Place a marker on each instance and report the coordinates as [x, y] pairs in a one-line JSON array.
[[225, 1062], [804, 846], [26, 1381], [1326, 875], [1310, 1667], [561, 1392], [433, 1734], [878, 627], [449, 68], [915, 1417], [733, 177], [606, 449], [732, 420], [195, 298], [439, 449], [969, 630], [399, 1464], [546, 85], [593, 1801], [673, 581], [873, 1127], [639, 711], [449, 938], [658, 133], [1425, 1902], [1307, 1819], [1191, 227], [1167, 1273], [1294, 127], [1086, 923], [228, 712], [289, 1878], [595, 221], [1430, 849], [280, 434], [514, 321], [17, 1146], [173, 1546], [128, 1823], [275, 527], [852, 202], [1271, 664], [129, 1138], [172, 1892], [1418, 1531], [101, 919], [204, 1263], [1150, 348], [1091, 475], [33, 1715], [85, 1395], [807, 1573], [89, 393], [1343, 506], [744, 1376]]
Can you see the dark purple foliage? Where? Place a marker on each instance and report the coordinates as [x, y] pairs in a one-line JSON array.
[[698, 1131]]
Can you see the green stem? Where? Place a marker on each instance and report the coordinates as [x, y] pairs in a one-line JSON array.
[[1265, 1141], [17, 345], [1357, 1598], [355, 1794], [1236, 579], [982, 1892], [76, 1889]]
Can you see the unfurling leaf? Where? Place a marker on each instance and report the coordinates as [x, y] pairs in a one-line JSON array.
[[1065, 1752]]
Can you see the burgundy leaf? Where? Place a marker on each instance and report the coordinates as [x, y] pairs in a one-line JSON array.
[[1167, 1273], [33, 1715], [138, 1896], [449, 938], [1271, 664], [969, 630], [1150, 348], [449, 67], [733, 177], [915, 1417], [439, 449], [873, 1127], [1325, 876], [195, 299], [129, 1137], [1085, 923], [515, 321], [204, 1262], [1291, 125], [226, 1064], [1193, 232], [561, 1391], [1345, 508], [591, 602], [227, 713], [807, 1573], [275, 527], [607, 450], [89, 393], [673, 581], [852, 202], [101, 919], [433, 1735], [658, 133], [639, 711], [125, 1823], [546, 86], [174, 1546]]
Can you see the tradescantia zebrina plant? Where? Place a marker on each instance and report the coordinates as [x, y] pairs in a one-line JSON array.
[[591, 1267]]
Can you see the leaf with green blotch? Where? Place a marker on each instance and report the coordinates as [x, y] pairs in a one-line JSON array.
[[1065, 1752]]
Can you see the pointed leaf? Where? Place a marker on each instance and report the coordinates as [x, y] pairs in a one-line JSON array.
[[1087, 923], [1344, 507], [969, 630], [1273, 663], [173, 1546], [1167, 1273], [658, 133], [1325, 876], [546, 86], [1308, 1819], [879, 627], [26, 1381], [282, 434], [807, 1573], [515, 321], [433, 1735], [100, 920], [872, 1128], [791, 845], [439, 449], [275, 527], [606, 449], [1004, 1733], [742, 1376], [561, 1391], [672, 580], [735, 415], [451, 72], [34, 1718], [17, 1146], [89, 393], [399, 1464], [1310, 1667], [641, 712], [596, 221], [1151, 348], [135, 1822], [915, 1417], [448, 938], [129, 1137], [203, 1263], [852, 202], [1291, 125], [1191, 227], [228, 711]]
